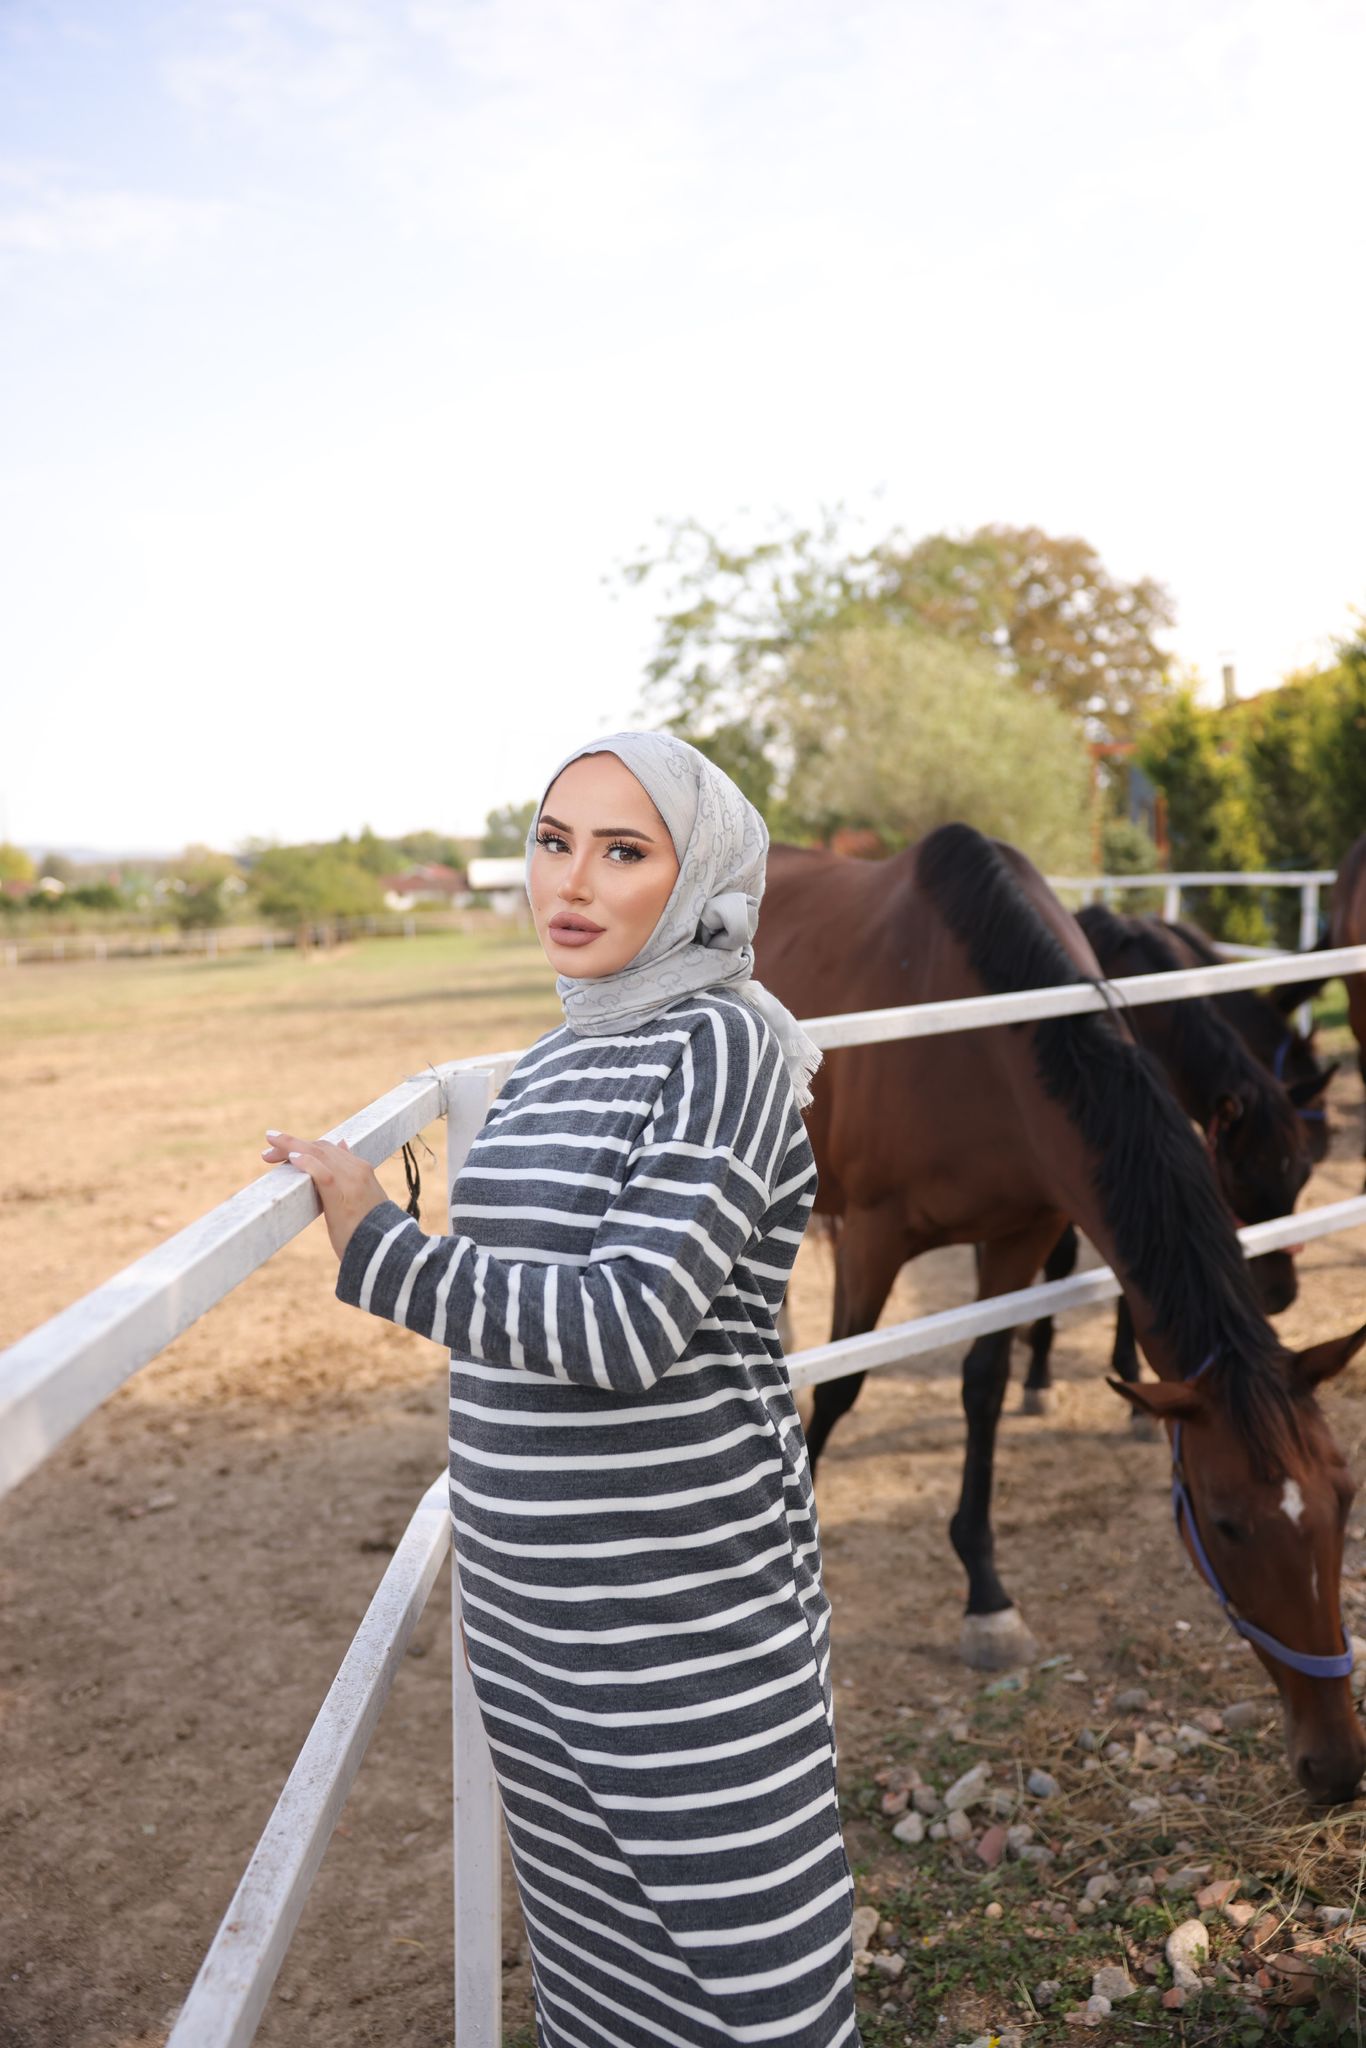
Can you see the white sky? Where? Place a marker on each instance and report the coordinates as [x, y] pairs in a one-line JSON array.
[[346, 345]]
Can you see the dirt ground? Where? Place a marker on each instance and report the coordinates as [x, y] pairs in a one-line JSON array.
[[182, 1578]]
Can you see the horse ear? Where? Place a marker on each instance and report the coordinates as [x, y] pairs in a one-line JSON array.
[[1291, 994], [1320, 1362], [1164, 1400], [1301, 1092]]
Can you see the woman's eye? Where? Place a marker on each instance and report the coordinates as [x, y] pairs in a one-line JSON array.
[[549, 839], [623, 846]]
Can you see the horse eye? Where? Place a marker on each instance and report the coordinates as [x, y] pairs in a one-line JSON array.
[[1230, 1531]]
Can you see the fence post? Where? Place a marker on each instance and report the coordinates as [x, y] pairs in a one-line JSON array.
[[477, 1816], [1309, 938], [1171, 902]]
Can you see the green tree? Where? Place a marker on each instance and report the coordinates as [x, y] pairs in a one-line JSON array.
[[1337, 753], [1063, 626], [303, 885], [377, 856], [1046, 611], [897, 730], [506, 829], [15, 864], [1212, 820], [199, 902]]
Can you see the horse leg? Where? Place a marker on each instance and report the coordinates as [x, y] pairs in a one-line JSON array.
[[1061, 1261], [871, 1252], [1125, 1361], [994, 1635]]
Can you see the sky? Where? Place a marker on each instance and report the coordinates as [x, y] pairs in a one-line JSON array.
[[348, 347]]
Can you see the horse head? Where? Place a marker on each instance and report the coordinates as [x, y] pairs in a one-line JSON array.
[[1262, 1159], [1261, 1494]]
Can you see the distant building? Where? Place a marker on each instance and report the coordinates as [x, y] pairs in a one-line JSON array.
[[426, 882], [503, 879]]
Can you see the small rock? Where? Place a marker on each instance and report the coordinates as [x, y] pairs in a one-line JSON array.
[[927, 1801], [1334, 1916], [1174, 2000], [910, 1830], [1112, 1983], [992, 1847], [1101, 1885], [1145, 1808], [996, 1911], [1239, 1913], [1045, 1992], [1088, 1741], [1041, 1785], [886, 1934], [1087, 1909], [1210, 1719], [1018, 1838], [889, 1966], [863, 1962], [1161, 1757], [1189, 1737], [1243, 1714], [1000, 1805], [959, 1826], [894, 1803], [1036, 1854], [1184, 1978], [1097, 2007], [1214, 1896], [161, 1501], [1117, 1753], [1136, 1699], [967, 1790], [865, 1926], [1185, 1880], [1187, 1946], [1264, 1930], [938, 1831]]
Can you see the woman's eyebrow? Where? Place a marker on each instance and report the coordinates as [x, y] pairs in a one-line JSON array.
[[601, 831]]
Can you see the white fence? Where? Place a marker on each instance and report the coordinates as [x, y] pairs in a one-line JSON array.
[[53, 1378]]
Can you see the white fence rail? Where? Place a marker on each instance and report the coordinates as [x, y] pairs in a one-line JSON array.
[[53, 1378]]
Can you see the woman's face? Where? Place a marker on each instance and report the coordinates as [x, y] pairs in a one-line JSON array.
[[603, 868]]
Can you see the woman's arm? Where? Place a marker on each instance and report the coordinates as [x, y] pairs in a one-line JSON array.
[[696, 1186]]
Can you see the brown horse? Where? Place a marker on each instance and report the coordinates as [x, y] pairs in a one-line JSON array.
[[997, 1138]]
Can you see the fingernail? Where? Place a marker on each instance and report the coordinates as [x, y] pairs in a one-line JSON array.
[[266, 1154], [295, 1157], [272, 1134]]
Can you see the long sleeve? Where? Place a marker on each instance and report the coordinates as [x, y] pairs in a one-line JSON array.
[[693, 1190]]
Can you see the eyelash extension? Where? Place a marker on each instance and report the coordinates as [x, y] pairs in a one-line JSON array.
[[548, 839]]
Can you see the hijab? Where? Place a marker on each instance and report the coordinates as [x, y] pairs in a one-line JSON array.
[[702, 939]]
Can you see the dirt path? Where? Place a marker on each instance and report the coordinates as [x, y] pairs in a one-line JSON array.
[[181, 1579]]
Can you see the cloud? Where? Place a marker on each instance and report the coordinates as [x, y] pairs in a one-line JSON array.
[[46, 212]]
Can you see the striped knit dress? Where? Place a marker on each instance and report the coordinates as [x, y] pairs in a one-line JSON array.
[[636, 1534]]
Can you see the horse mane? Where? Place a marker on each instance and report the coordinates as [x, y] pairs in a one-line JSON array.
[[1205, 1047], [1158, 1196]]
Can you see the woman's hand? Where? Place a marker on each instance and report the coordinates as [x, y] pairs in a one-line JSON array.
[[346, 1186]]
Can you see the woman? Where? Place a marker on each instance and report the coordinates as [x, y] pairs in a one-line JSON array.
[[639, 1559]]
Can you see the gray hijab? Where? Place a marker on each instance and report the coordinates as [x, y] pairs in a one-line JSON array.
[[702, 939]]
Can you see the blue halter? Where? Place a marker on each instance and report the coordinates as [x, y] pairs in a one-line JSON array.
[[1298, 1660]]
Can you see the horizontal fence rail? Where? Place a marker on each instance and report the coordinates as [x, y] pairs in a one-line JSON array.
[[57, 1375]]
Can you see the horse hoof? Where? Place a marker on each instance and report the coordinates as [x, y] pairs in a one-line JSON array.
[[1144, 1428], [996, 1642], [1035, 1401]]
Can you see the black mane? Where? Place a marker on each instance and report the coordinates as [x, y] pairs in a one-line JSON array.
[[1204, 1046], [1159, 1199]]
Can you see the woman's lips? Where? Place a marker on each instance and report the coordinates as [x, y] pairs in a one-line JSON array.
[[573, 934]]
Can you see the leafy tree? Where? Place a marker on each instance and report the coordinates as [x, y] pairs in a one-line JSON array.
[[895, 730], [1046, 611], [92, 896], [300, 885], [1126, 849], [377, 856], [1049, 608], [15, 864], [200, 902], [57, 867], [1212, 818], [506, 829], [1336, 754], [425, 847]]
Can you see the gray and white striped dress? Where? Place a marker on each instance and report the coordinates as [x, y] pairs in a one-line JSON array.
[[637, 1539]]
